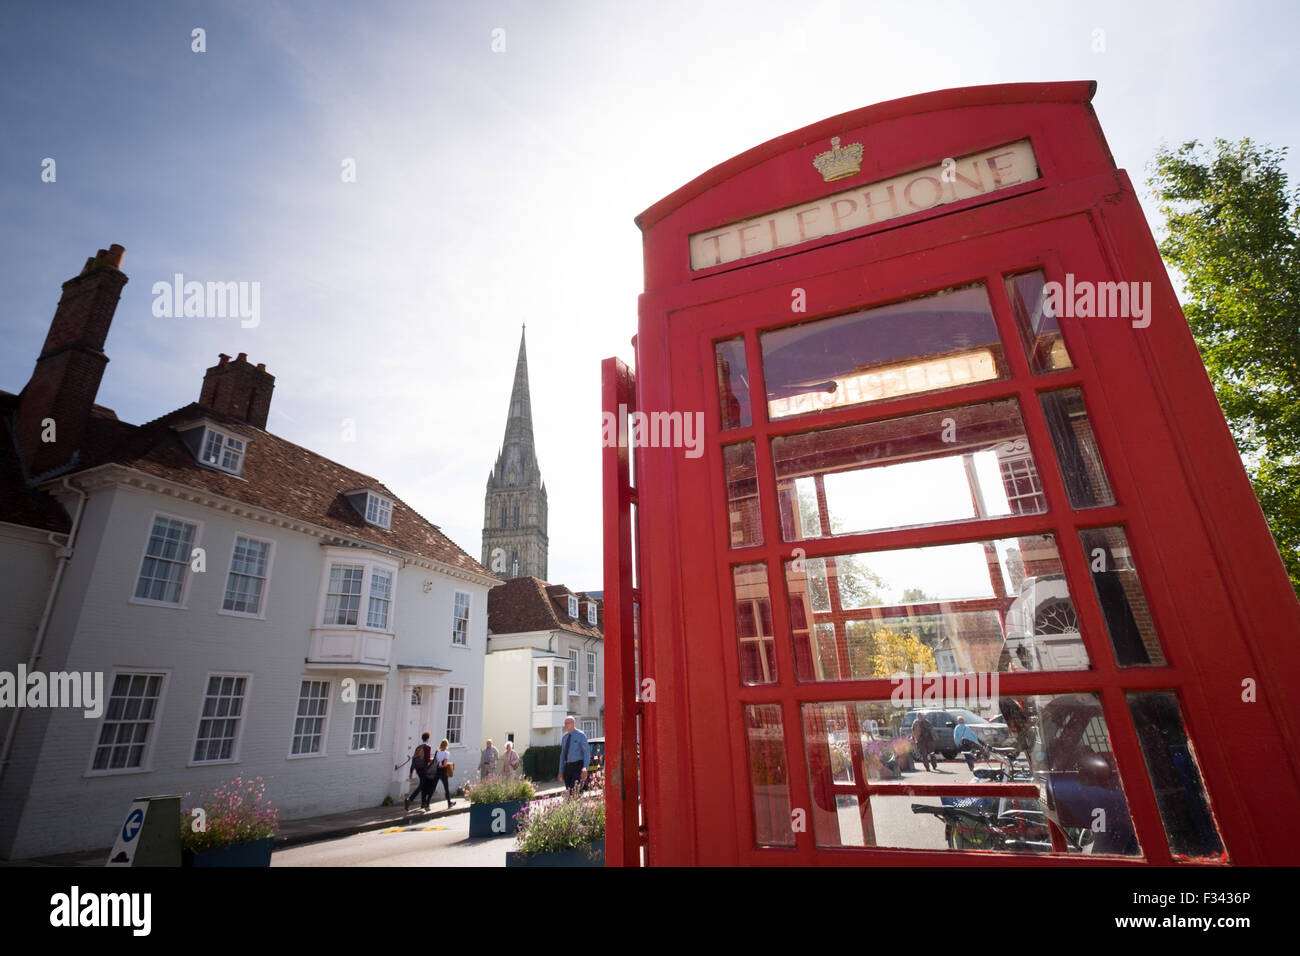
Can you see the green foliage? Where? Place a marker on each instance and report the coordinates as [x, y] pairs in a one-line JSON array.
[[234, 812], [498, 789], [1233, 232], [541, 763]]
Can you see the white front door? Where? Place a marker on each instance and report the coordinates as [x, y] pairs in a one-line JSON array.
[[419, 719]]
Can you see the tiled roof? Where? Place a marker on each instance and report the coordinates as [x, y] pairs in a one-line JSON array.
[[529, 604], [18, 503], [277, 475]]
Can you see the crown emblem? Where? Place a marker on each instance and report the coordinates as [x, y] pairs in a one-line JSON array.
[[839, 162]]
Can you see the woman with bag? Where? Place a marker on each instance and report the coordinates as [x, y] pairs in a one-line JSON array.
[[443, 769]]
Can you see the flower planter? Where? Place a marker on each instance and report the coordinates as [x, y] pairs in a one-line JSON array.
[[254, 853], [590, 854], [482, 815]]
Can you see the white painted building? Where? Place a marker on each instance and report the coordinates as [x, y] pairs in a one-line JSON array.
[[255, 609], [545, 661]]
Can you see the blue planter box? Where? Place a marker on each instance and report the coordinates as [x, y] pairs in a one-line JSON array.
[[593, 854], [481, 818], [256, 853]]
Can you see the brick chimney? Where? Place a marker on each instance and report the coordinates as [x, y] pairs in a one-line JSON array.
[[70, 367], [239, 388]]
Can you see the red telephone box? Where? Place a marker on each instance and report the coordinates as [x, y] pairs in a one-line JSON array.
[[961, 487]]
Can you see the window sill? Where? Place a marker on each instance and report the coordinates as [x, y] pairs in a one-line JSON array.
[[118, 772], [146, 602], [211, 763], [305, 756], [244, 614]]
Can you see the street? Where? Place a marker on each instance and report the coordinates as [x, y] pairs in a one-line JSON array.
[[436, 842]]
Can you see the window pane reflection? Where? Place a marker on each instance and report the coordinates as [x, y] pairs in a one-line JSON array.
[[957, 464], [1044, 344], [1119, 592], [770, 786], [1076, 449], [1175, 777], [1058, 757], [982, 606], [922, 345], [741, 473], [754, 624], [733, 382]]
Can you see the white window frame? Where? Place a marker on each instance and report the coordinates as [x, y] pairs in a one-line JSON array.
[[239, 721], [382, 599], [573, 607], [260, 614], [226, 438], [379, 510], [325, 724], [591, 674], [378, 718], [146, 758], [591, 613], [459, 740], [457, 620], [590, 727], [368, 562], [572, 681], [184, 597]]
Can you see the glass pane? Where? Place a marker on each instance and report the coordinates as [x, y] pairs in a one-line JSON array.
[[770, 785], [754, 624], [958, 464], [1044, 344], [978, 607], [1119, 592], [733, 383], [741, 474], [1054, 749], [1076, 449], [922, 345], [1175, 777]]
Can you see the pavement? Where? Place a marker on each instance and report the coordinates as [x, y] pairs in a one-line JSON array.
[[309, 830]]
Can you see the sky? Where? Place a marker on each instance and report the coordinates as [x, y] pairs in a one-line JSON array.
[[501, 152]]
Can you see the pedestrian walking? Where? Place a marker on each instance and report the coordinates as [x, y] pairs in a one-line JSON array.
[[575, 754], [422, 769], [923, 737], [510, 760], [487, 764], [443, 769]]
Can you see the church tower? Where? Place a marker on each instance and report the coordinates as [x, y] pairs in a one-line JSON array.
[[514, 508]]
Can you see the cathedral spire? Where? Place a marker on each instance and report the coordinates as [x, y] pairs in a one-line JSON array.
[[514, 513], [519, 423]]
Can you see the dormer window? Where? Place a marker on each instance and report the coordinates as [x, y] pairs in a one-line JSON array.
[[371, 505], [379, 511], [215, 447], [591, 614], [573, 606]]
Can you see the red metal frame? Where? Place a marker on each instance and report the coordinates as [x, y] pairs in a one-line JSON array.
[[1221, 602]]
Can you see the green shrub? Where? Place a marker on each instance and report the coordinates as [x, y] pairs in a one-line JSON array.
[[546, 826], [542, 763], [497, 789], [233, 813]]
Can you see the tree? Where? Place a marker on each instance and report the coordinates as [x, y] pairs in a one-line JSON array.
[[1233, 232]]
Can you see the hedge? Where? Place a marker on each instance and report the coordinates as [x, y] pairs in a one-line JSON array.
[[542, 763]]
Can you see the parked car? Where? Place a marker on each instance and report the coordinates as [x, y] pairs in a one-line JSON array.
[[944, 720]]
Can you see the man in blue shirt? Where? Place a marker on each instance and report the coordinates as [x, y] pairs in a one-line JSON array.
[[575, 754], [964, 739]]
